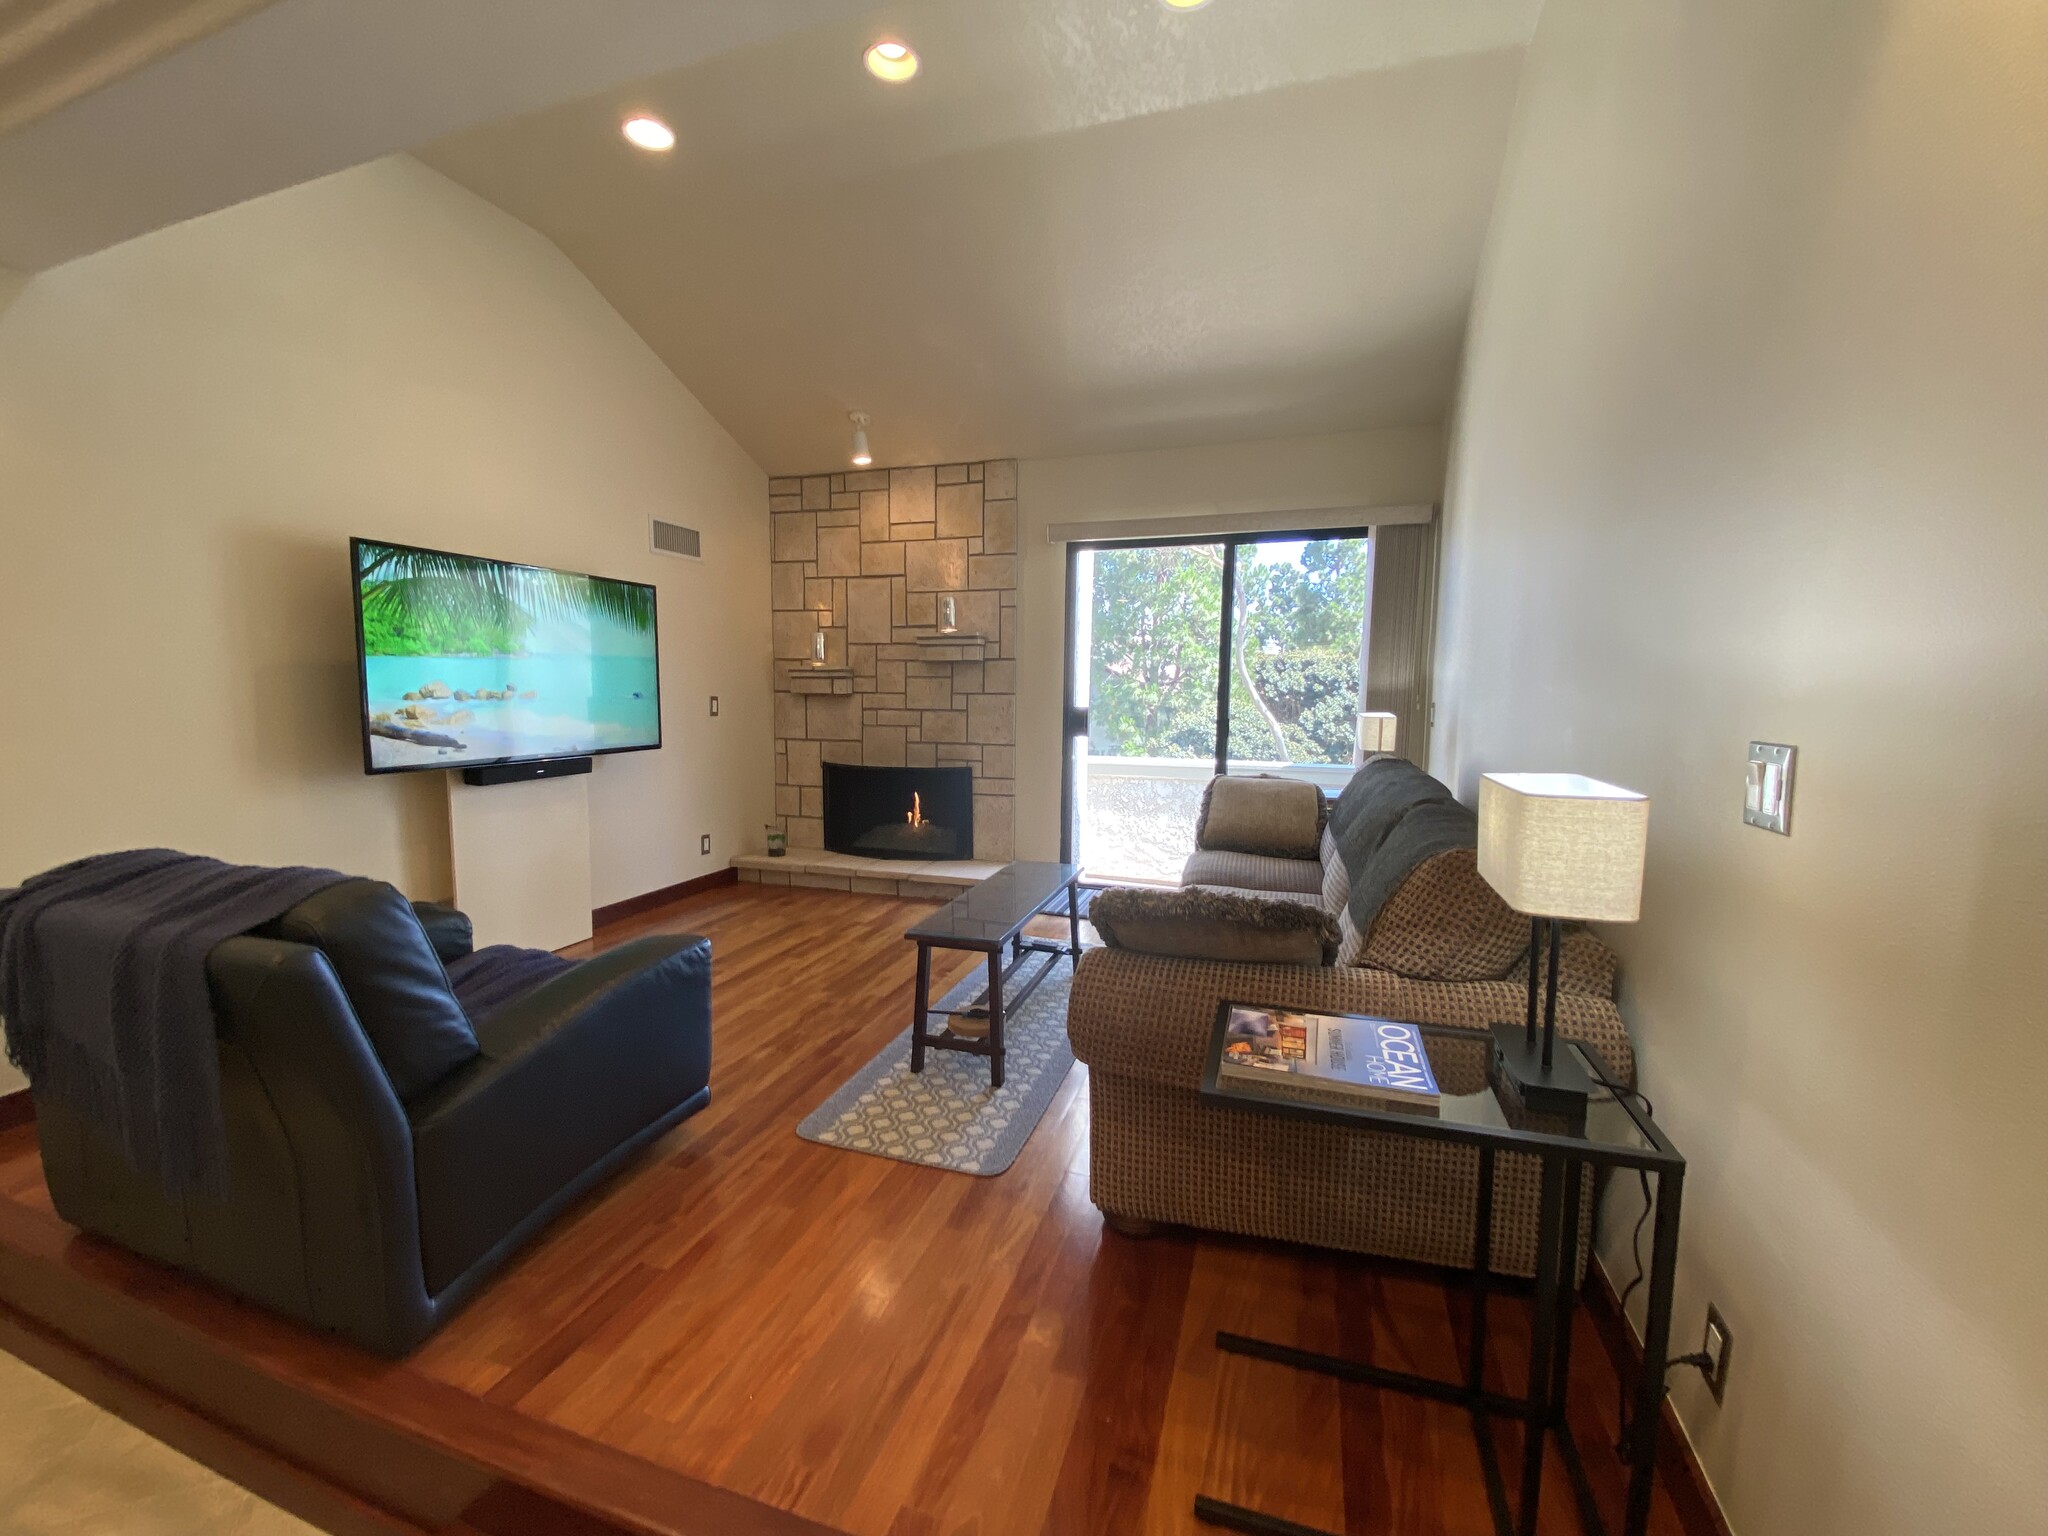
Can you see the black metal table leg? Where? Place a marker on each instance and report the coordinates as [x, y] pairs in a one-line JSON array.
[[920, 1006], [995, 1018], [1561, 1372], [1567, 1291], [1073, 921], [1649, 1404], [1475, 1365], [1536, 1427], [1482, 1271]]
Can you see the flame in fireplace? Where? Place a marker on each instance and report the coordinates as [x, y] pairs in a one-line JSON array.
[[916, 816]]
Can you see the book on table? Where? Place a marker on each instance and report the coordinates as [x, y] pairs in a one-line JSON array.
[[1345, 1059]]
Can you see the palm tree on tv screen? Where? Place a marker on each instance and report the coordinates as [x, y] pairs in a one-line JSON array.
[[418, 602]]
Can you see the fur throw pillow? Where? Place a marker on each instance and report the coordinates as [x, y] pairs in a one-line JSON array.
[[1198, 923]]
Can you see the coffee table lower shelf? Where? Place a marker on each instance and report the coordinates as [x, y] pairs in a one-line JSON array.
[[988, 919], [994, 1002]]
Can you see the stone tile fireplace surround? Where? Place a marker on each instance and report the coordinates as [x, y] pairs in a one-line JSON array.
[[864, 557]]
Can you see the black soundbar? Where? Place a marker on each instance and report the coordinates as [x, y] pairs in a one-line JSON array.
[[520, 773]]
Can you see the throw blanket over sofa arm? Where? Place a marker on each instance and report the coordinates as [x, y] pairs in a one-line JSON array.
[[597, 1059], [385, 1150], [322, 1221]]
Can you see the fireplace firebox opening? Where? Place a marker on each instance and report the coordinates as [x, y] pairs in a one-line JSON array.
[[900, 813]]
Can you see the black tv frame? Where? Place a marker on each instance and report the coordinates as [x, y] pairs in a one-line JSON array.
[[355, 581]]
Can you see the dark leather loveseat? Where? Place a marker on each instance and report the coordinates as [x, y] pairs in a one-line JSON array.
[[387, 1152]]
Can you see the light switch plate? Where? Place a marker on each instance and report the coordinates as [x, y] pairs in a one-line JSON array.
[[1767, 796]]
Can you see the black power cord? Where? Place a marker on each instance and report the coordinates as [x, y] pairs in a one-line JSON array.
[[1699, 1359]]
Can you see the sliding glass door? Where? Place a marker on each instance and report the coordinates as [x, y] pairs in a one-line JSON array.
[[1189, 659], [1146, 665], [1297, 651]]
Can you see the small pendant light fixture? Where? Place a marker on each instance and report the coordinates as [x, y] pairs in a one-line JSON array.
[[861, 456]]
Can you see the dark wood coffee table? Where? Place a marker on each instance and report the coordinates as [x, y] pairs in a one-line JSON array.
[[985, 918]]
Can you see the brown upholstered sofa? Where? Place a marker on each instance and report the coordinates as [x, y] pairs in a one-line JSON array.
[[1441, 948]]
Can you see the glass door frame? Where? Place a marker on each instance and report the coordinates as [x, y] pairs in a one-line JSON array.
[[1074, 717]]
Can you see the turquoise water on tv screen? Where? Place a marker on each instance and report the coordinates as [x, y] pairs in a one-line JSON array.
[[470, 662]]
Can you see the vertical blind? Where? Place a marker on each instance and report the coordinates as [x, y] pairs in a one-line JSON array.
[[1403, 632]]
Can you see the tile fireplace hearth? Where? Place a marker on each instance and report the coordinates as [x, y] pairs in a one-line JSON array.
[[821, 869]]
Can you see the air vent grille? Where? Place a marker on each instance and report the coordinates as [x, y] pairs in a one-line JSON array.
[[675, 539]]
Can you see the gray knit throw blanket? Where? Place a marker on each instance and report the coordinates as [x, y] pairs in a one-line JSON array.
[[103, 990], [1390, 818]]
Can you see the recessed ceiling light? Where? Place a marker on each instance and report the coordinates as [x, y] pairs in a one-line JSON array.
[[892, 61], [1183, 5], [648, 133]]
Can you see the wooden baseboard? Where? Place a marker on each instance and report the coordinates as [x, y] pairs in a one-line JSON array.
[[633, 906], [1677, 1467], [16, 1108]]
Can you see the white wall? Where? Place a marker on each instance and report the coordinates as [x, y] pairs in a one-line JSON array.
[[1751, 445], [1399, 466], [192, 424]]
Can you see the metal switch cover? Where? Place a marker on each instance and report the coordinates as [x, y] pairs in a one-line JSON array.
[[1767, 800]]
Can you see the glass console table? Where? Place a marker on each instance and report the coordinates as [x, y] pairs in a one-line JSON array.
[[1478, 1112]]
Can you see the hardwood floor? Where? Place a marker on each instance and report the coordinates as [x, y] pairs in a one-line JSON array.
[[878, 1348]]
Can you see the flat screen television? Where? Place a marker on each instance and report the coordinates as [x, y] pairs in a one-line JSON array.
[[466, 662]]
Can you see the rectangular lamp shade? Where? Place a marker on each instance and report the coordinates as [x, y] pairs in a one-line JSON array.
[[1563, 845], [1376, 732]]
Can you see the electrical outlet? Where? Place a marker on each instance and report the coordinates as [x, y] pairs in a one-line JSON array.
[[714, 704], [704, 845], [1717, 1344]]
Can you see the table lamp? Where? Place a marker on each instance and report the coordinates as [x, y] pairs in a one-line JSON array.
[[1559, 847]]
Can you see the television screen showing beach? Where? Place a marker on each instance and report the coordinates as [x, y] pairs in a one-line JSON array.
[[469, 661]]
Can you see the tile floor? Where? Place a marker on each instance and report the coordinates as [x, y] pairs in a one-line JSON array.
[[70, 1468]]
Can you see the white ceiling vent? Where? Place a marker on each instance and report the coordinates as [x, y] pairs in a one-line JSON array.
[[675, 539]]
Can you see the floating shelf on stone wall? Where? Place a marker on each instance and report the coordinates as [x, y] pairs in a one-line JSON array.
[[938, 647], [803, 679]]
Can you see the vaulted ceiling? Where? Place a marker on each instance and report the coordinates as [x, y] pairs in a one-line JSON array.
[[296, 90], [1086, 225]]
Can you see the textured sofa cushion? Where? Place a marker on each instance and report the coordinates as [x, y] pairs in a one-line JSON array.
[[1252, 872], [1443, 923], [1413, 899], [1584, 965], [1151, 1016], [1261, 814], [1336, 887], [1198, 923]]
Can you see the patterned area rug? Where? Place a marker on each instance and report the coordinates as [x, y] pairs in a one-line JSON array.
[[947, 1116]]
